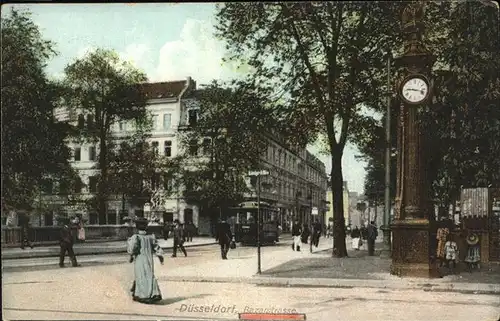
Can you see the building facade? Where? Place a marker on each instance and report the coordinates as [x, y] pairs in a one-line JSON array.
[[298, 183], [347, 211], [297, 177]]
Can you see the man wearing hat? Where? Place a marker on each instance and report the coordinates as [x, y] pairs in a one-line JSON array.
[[473, 252], [178, 234], [224, 237], [66, 243], [24, 222]]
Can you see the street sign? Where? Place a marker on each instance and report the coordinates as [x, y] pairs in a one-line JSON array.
[[314, 211], [258, 173]]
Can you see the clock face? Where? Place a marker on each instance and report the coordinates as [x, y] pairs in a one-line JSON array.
[[415, 90]]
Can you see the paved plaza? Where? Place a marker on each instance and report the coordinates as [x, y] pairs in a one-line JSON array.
[[87, 248], [100, 291]]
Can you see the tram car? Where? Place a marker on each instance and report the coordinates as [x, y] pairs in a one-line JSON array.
[[245, 223]]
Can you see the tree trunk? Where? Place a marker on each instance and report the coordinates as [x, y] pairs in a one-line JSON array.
[[102, 190], [339, 246]]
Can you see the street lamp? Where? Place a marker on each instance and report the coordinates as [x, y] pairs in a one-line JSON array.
[[258, 174], [386, 229]]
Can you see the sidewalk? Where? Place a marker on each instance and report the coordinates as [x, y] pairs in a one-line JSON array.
[[318, 269], [92, 248]]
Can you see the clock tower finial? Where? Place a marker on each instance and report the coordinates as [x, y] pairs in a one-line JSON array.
[[415, 54]]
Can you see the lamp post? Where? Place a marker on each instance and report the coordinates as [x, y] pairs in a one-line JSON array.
[[386, 228], [258, 174]]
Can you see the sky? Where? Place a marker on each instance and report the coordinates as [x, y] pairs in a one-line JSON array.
[[168, 41]]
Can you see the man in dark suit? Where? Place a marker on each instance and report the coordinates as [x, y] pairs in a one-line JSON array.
[[66, 243], [224, 237], [371, 237], [178, 234], [24, 223]]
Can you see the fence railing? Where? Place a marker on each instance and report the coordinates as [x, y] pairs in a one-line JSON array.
[[47, 235]]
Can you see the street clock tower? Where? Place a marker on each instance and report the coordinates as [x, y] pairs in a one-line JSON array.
[[411, 245]]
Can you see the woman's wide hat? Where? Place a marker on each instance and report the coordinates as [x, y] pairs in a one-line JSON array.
[[472, 239], [141, 222]]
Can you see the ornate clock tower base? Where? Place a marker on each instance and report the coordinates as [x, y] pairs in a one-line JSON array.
[[411, 250]]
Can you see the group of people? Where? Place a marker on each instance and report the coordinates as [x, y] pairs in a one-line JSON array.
[[447, 251], [368, 233], [188, 230], [302, 233]]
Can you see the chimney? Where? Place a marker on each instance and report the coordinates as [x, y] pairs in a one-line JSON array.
[[191, 84]]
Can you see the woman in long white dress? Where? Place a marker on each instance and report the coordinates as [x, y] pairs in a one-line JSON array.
[[142, 248], [81, 230], [356, 238]]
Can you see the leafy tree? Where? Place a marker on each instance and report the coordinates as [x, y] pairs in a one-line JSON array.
[[327, 59], [33, 147], [107, 90], [231, 122], [138, 172], [466, 143], [462, 125]]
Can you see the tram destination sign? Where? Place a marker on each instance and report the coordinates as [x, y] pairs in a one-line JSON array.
[[258, 173]]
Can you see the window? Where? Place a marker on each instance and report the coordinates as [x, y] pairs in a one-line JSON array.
[[48, 219], [192, 117], [92, 153], [90, 121], [188, 215], [48, 186], [111, 218], [168, 183], [92, 184], [155, 181], [168, 148], [155, 147], [168, 217], [78, 154], [122, 126], [64, 187], [93, 218], [206, 146], [193, 148], [77, 186], [167, 121], [155, 121], [81, 121]]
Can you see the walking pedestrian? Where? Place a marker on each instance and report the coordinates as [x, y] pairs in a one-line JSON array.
[[316, 234], [178, 234], [24, 223], [296, 232], [329, 231], [372, 234], [190, 229], [81, 228], [166, 230], [66, 244], [142, 247], [356, 238], [224, 237], [305, 234]]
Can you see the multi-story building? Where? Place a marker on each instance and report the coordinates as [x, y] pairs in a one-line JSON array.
[[298, 178], [345, 196], [298, 182]]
